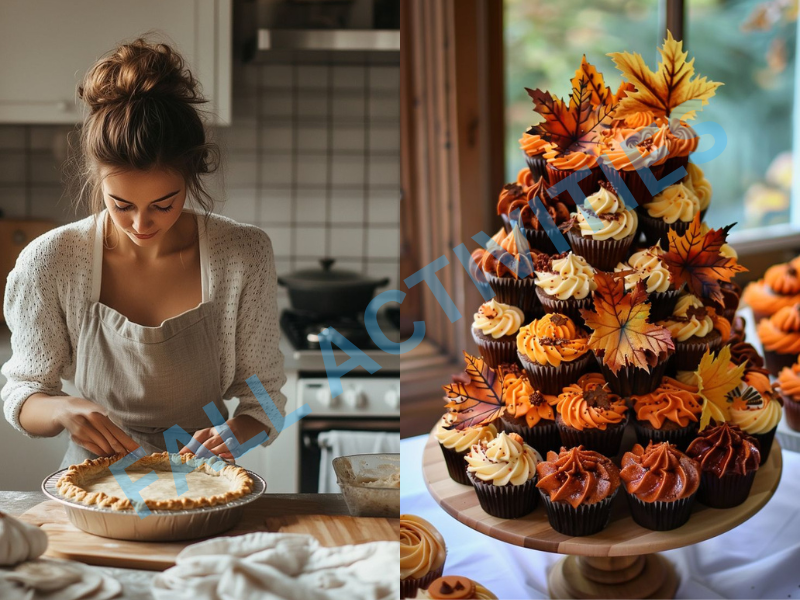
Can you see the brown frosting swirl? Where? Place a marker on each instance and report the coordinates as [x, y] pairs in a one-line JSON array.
[[422, 547], [510, 202], [577, 476], [725, 449], [659, 473]]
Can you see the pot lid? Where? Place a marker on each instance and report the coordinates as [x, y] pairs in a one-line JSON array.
[[328, 275]]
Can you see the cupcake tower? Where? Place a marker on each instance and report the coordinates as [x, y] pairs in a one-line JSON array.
[[609, 314]]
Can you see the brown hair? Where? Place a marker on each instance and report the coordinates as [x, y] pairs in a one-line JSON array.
[[143, 114]]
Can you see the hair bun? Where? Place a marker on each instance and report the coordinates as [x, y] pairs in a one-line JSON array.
[[139, 70]]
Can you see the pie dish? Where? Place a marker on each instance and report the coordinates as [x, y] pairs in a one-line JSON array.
[[92, 483]]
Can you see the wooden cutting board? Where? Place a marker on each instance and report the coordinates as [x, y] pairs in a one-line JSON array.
[[323, 516]]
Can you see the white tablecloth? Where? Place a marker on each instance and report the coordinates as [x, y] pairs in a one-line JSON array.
[[758, 559]]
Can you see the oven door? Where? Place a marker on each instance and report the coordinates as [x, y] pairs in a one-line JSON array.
[[311, 452]]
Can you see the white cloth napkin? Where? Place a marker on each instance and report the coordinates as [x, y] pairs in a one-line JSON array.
[[269, 566], [344, 443], [51, 579]]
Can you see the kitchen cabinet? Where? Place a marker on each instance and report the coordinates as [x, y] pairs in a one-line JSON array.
[[48, 45]]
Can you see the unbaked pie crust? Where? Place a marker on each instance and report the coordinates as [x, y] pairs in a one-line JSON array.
[[92, 483]]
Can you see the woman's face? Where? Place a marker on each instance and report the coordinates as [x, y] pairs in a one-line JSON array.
[[144, 203]]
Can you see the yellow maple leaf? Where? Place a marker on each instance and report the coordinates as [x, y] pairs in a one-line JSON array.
[[715, 379], [671, 86]]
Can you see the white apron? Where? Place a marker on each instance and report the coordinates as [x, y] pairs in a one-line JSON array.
[[148, 378]]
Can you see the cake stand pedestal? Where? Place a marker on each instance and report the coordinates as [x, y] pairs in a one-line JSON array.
[[619, 562]]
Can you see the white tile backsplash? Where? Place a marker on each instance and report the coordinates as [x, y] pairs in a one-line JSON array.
[[240, 204], [275, 206], [348, 170], [241, 171], [277, 138], [312, 77], [311, 103], [12, 202], [384, 77], [276, 170], [348, 137], [384, 207], [383, 243], [312, 170], [12, 167], [281, 238], [276, 76], [310, 206], [347, 206], [311, 137], [347, 241], [310, 241], [348, 77], [12, 137], [277, 104], [349, 106]]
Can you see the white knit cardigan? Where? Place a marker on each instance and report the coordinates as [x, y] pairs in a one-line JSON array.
[[52, 280]]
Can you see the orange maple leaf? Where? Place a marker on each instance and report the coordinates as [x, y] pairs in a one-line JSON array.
[[622, 334], [575, 125], [695, 259], [671, 86], [477, 402]]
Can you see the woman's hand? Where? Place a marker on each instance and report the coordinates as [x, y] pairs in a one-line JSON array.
[[89, 426], [243, 427]]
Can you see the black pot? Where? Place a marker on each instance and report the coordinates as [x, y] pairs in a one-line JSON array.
[[330, 292]]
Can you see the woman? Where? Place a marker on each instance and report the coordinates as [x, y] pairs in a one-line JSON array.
[[155, 311]]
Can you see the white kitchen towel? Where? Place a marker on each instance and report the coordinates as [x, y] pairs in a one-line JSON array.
[[344, 443], [286, 566], [48, 578]]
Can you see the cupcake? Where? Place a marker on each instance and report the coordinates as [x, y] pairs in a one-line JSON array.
[[494, 329], [591, 415], [456, 587], [731, 291], [578, 487], [661, 483], [510, 196], [525, 179], [524, 211], [756, 410], [789, 387], [564, 284], [604, 228], [670, 413], [563, 164], [694, 331], [422, 554], [456, 443], [696, 181], [648, 267], [673, 208], [780, 338], [534, 148], [508, 266], [529, 413], [779, 288], [729, 460], [554, 352], [682, 140], [503, 473]]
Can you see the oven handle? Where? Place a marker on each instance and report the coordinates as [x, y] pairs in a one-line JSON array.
[[320, 425]]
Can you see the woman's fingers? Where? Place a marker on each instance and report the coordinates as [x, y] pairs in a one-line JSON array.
[[110, 438], [89, 432], [93, 448], [201, 435], [126, 441]]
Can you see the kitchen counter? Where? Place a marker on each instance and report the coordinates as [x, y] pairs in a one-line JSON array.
[[136, 583]]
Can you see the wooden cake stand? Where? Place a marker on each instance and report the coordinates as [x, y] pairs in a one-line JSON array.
[[618, 562]]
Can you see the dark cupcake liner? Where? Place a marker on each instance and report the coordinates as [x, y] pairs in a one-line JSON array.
[[727, 491], [537, 165], [456, 465], [552, 380], [765, 443], [507, 501], [587, 519], [588, 184], [775, 361], [538, 238], [662, 303], [634, 182], [680, 437], [603, 255], [516, 292], [688, 354], [496, 352], [605, 441], [633, 381], [409, 587], [661, 516], [542, 437], [570, 308], [675, 162], [657, 229], [791, 408]]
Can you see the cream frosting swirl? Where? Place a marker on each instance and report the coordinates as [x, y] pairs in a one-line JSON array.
[[462, 440], [505, 460], [757, 417], [696, 181], [571, 277], [605, 217], [689, 318], [676, 202], [497, 320], [648, 267], [422, 547]]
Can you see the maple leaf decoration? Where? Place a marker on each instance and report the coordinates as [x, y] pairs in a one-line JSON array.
[[575, 125], [671, 86], [477, 402], [715, 380], [597, 398], [622, 334], [695, 259]]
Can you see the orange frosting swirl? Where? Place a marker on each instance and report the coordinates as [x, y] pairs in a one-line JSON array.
[[671, 401], [525, 177], [522, 259], [522, 400], [577, 476], [639, 119], [590, 404], [659, 473], [783, 279], [551, 340], [422, 547], [682, 139], [789, 382], [781, 332], [570, 161], [759, 296], [510, 193], [558, 211], [533, 145]]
